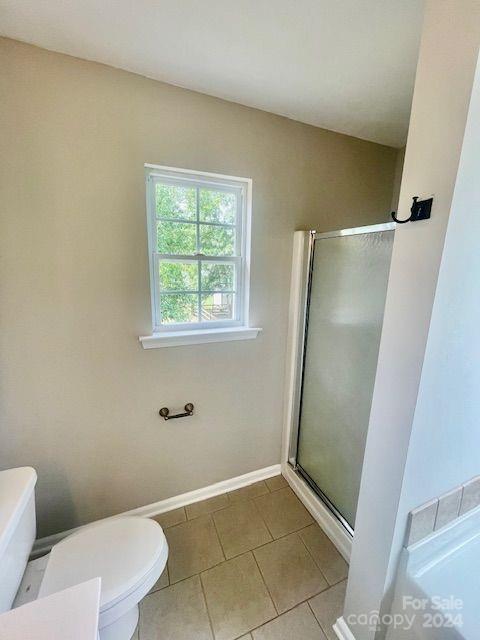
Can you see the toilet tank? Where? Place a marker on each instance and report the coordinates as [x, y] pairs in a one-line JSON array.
[[17, 529]]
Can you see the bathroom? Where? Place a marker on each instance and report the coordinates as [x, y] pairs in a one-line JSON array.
[[268, 534]]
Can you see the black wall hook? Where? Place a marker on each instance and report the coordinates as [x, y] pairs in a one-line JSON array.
[[420, 210]]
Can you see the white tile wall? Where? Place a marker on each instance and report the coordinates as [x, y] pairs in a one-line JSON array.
[[448, 507], [439, 512], [421, 521], [470, 495]]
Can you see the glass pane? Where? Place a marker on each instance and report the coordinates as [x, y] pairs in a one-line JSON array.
[[176, 237], [217, 306], [217, 206], [175, 202], [348, 289], [179, 307], [178, 276], [217, 241], [217, 276]]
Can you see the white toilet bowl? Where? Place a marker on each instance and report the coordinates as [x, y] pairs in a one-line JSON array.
[[129, 554]]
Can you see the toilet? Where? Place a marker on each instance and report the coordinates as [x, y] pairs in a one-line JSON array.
[[128, 553]]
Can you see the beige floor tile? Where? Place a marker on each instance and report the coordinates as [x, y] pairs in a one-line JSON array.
[[283, 512], [247, 636], [207, 506], [275, 483], [240, 528], [176, 613], [162, 582], [252, 491], [299, 623], [328, 606], [331, 563], [171, 518], [193, 547], [289, 571], [237, 598], [135, 635]]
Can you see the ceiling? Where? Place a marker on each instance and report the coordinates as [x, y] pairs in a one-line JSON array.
[[346, 65]]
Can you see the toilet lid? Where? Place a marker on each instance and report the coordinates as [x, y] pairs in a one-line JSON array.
[[120, 551]]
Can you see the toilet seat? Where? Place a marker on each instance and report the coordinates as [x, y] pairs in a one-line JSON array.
[[128, 554]]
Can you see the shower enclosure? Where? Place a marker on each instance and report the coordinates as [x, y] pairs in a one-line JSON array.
[[345, 284]]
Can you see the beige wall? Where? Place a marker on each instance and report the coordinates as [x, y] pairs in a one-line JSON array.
[[79, 396]]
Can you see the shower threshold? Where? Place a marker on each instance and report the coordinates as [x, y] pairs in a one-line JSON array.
[[328, 504]]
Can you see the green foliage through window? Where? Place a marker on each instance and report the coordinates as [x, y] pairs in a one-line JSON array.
[[217, 206], [175, 202], [217, 241], [180, 211], [176, 238], [218, 276], [178, 276], [179, 307]]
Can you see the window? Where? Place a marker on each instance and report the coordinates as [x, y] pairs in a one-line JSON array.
[[198, 226]]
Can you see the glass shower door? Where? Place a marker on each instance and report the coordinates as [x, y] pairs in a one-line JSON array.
[[346, 299]]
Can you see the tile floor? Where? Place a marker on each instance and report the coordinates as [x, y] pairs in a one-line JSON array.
[[247, 565]]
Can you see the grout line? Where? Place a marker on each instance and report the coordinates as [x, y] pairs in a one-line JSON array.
[[316, 564], [325, 631], [326, 588], [315, 617], [330, 584], [306, 600], [261, 576], [230, 502], [166, 513], [207, 513], [263, 544], [174, 584], [217, 564], [160, 588], [260, 546], [285, 535], [218, 537], [297, 531], [265, 583], [299, 604], [204, 515], [249, 633], [262, 518], [206, 606], [287, 486]]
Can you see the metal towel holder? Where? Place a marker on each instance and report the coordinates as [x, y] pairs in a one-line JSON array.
[[165, 412]]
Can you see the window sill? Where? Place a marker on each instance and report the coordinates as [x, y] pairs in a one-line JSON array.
[[197, 336]]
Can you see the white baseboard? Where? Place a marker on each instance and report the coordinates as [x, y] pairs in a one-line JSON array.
[[342, 630], [43, 545], [330, 525]]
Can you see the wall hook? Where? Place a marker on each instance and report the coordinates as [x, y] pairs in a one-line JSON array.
[[420, 210]]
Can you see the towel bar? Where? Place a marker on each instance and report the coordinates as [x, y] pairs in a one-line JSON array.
[[165, 411]]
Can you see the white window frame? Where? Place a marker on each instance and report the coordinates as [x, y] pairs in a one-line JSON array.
[[191, 333]]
